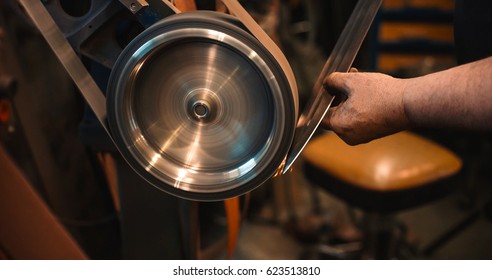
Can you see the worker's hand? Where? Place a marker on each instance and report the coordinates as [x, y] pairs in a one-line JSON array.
[[373, 106]]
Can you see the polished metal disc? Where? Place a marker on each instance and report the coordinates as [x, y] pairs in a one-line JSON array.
[[200, 108]]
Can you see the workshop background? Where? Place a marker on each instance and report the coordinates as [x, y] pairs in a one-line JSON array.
[[66, 193]]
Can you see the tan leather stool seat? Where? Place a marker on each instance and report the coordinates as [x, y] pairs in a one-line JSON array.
[[387, 174]]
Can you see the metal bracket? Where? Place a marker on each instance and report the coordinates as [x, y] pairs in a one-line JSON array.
[[134, 5], [78, 28]]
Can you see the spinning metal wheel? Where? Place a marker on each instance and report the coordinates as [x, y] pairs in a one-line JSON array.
[[199, 104]]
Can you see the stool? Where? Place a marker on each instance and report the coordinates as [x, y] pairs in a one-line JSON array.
[[381, 178]]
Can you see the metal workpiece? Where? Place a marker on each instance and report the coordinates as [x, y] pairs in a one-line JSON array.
[[340, 60], [200, 108]]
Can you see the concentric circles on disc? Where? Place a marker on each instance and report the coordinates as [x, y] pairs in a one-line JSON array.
[[199, 108]]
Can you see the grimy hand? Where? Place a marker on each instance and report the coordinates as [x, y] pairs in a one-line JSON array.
[[373, 106]]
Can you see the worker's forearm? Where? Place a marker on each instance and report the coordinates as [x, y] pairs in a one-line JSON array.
[[458, 97]]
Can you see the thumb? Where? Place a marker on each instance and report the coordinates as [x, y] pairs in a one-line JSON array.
[[335, 84], [334, 80]]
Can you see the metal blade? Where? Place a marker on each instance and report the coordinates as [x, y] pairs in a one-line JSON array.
[[340, 60]]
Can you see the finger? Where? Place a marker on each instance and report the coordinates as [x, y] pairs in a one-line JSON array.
[[335, 86], [335, 83], [334, 80], [353, 70]]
